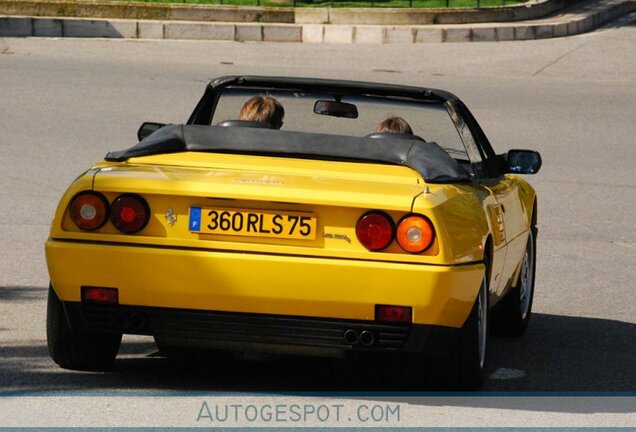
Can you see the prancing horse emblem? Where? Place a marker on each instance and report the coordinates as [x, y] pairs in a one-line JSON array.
[[171, 218]]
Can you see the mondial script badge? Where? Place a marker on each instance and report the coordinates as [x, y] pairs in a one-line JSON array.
[[171, 218]]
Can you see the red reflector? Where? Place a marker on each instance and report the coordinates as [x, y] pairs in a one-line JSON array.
[[393, 313], [100, 295]]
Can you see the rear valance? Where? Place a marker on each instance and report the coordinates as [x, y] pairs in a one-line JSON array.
[[427, 158]]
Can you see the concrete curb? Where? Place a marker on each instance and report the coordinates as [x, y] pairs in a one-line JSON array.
[[580, 19], [213, 13]]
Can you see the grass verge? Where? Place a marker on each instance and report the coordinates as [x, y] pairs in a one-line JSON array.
[[346, 3]]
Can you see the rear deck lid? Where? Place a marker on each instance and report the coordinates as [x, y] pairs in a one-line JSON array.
[[261, 178]]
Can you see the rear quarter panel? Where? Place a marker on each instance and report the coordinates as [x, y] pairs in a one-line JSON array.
[[517, 246], [457, 212]]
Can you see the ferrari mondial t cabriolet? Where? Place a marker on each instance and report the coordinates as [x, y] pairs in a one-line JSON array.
[[321, 235]]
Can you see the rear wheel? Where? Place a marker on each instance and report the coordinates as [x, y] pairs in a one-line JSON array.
[[469, 348], [77, 349], [513, 313]]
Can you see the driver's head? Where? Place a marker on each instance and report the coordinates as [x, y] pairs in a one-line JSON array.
[[394, 125], [263, 109]]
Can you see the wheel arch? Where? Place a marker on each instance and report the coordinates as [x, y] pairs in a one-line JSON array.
[[533, 218], [487, 256], [487, 259], [533, 228]]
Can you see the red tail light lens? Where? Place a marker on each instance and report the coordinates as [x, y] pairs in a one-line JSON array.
[[129, 213], [415, 233], [89, 210], [393, 313], [100, 295], [375, 230]]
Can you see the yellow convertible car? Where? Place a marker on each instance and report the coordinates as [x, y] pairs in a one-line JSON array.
[[324, 233]]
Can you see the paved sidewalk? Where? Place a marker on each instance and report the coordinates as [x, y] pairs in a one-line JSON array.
[[581, 18]]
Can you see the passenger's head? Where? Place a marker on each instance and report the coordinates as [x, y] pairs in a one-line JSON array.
[[263, 109], [394, 125]]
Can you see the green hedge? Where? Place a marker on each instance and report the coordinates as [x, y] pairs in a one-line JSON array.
[[348, 3]]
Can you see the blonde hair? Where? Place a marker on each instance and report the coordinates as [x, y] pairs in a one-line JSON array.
[[394, 125], [263, 109]]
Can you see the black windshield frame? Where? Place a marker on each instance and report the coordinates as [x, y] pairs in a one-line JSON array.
[[204, 111]]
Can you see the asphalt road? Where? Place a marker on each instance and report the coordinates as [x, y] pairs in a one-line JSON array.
[[65, 103]]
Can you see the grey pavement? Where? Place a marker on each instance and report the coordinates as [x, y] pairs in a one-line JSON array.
[[580, 18], [66, 102]]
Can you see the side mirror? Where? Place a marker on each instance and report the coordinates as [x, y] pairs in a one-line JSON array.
[[147, 128], [336, 109], [522, 162]]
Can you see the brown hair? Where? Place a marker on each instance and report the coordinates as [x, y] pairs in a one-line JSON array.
[[394, 125], [263, 109]]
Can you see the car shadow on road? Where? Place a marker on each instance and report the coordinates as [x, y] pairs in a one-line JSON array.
[[567, 354], [22, 293], [558, 354], [628, 20]]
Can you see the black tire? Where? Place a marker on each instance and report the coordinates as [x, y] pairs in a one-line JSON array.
[[76, 349], [470, 346], [513, 313]]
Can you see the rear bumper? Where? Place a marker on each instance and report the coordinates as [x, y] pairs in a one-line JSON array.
[[255, 332], [292, 286]]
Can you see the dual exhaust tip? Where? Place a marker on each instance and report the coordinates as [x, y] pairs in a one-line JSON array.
[[353, 337]]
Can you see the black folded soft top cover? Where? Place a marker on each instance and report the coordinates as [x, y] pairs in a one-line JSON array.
[[427, 158]]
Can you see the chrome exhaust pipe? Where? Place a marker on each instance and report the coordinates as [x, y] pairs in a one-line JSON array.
[[351, 337], [367, 338]]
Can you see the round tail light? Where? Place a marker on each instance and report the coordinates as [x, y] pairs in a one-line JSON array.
[[89, 210], [375, 230], [129, 213], [415, 233]]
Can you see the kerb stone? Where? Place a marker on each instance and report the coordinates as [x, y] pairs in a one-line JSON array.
[[282, 33], [338, 34], [10, 26]]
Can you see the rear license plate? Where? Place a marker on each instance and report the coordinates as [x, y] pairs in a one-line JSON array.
[[253, 223]]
